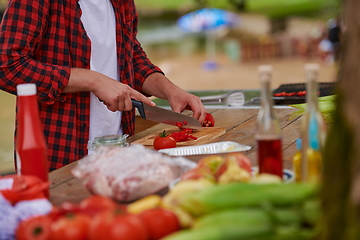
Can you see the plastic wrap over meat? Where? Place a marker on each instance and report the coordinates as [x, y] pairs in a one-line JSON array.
[[129, 173]]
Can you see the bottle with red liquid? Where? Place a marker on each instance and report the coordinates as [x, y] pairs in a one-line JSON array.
[[268, 130], [31, 148]]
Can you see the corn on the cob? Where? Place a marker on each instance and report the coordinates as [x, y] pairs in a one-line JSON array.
[[235, 195], [224, 232], [326, 106]]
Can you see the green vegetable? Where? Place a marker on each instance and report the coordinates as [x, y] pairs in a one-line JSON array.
[[326, 106], [224, 232], [236, 195]]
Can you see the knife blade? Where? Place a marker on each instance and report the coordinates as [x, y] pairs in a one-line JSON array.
[[162, 115]]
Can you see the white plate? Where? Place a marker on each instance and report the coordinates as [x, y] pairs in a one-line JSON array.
[[288, 176]]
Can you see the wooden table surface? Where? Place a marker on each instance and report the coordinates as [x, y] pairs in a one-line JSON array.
[[240, 127]]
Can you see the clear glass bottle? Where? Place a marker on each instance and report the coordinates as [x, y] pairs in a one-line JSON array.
[[31, 148], [313, 129], [268, 130]]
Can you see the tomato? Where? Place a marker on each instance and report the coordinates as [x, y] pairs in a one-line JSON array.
[[164, 141], [243, 161], [117, 224], [70, 227], [197, 173], [97, 203], [35, 228], [159, 222], [209, 120], [290, 94], [301, 93]]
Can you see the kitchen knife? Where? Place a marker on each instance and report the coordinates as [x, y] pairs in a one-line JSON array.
[[162, 115]]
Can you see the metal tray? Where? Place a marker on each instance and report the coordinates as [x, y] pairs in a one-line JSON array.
[[211, 148]]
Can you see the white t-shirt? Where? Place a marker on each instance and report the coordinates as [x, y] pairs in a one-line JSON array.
[[98, 19]]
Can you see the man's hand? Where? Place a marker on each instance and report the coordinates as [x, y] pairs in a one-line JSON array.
[[115, 95], [158, 85]]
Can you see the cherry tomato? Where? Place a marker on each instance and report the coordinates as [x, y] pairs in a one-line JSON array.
[[70, 227], [209, 120], [159, 222], [35, 228], [179, 124], [164, 141], [114, 225], [184, 122], [97, 203]]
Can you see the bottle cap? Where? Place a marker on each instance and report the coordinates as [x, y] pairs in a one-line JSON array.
[[265, 69], [311, 67], [26, 89]]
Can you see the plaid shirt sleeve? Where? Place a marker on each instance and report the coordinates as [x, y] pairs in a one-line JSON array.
[[22, 31]]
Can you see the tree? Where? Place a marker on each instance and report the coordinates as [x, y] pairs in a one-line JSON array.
[[341, 180]]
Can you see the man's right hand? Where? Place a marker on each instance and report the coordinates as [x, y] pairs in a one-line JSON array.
[[115, 95]]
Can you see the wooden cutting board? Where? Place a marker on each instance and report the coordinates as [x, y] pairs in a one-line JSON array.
[[203, 135]]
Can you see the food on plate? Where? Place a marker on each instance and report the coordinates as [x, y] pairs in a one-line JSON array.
[[34, 228], [209, 120], [236, 167], [164, 141], [159, 222], [266, 178], [233, 173], [213, 162], [197, 173], [117, 224], [129, 173], [148, 202]]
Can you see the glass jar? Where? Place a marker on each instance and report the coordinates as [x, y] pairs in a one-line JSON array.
[[109, 140]]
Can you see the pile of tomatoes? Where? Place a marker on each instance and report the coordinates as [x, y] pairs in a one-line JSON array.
[[98, 218], [290, 94]]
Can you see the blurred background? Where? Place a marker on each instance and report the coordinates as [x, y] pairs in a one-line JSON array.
[[221, 52]]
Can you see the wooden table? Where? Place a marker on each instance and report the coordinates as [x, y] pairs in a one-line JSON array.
[[240, 127]]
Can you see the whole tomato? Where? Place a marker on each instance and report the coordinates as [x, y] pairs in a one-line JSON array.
[[209, 120], [117, 224], [70, 227], [159, 222], [35, 228], [164, 141], [97, 203]]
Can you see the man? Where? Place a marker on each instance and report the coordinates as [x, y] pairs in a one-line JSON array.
[[79, 52]]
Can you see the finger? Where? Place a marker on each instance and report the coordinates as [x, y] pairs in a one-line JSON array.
[[140, 97]]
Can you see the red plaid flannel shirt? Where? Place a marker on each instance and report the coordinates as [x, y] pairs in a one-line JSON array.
[[40, 40]]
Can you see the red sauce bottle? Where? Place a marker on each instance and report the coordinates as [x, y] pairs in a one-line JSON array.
[[268, 130], [31, 148]]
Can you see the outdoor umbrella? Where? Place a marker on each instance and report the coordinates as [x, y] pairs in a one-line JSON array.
[[208, 20]]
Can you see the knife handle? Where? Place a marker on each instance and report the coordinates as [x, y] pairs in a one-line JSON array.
[[140, 107]]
